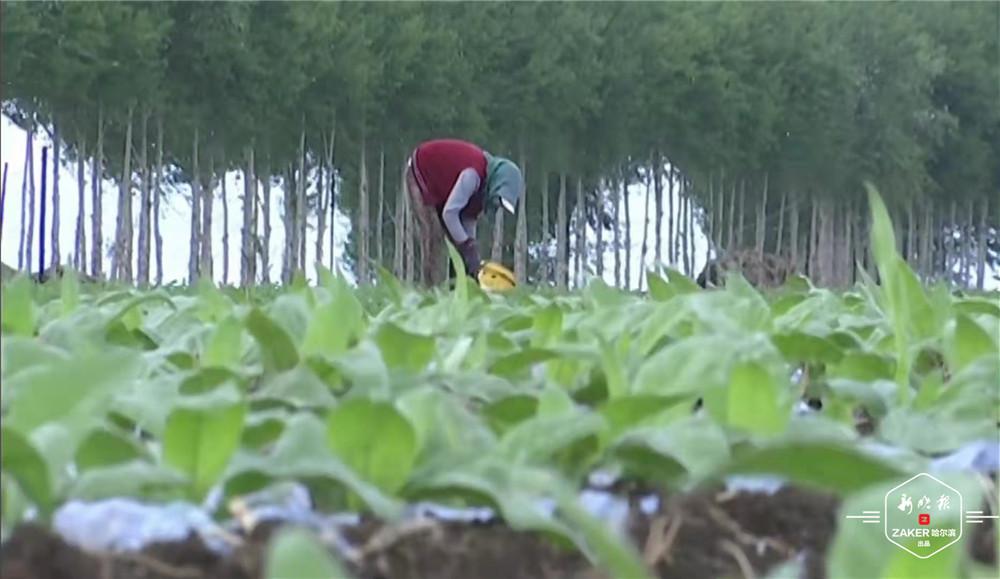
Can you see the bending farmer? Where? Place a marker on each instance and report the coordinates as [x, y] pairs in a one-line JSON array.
[[455, 181]]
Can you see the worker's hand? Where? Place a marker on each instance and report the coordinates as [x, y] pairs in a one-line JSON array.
[[469, 251]]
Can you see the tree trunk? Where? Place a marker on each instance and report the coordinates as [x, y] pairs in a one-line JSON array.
[[720, 213], [363, 231], [248, 259], [645, 232], [981, 245], [145, 207], [793, 235], [56, 253], [731, 224], [848, 244], [813, 233], [692, 205], [399, 231], [953, 255], [658, 227], [781, 225], [409, 240], [910, 252], [22, 238], [125, 219], [967, 228], [740, 240], [30, 241], [121, 264], [521, 233], [581, 232], [628, 234], [686, 221], [302, 206], [380, 219], [927, 243], [225, 223], [617, 200], [195, 254], [97, 182], [546, 276], [562, 245], [157, 194], [762, 220], [41, 214], [80, 240], [599, 228], [288, 224], [207, 268], [332, 193], [265, 256]]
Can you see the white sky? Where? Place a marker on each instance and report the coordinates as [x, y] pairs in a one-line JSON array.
[[175, 223]]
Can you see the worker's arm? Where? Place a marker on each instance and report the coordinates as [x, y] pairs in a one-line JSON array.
[[465, 186]]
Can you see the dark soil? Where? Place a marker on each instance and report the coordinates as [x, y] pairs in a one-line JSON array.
[[707, 534]]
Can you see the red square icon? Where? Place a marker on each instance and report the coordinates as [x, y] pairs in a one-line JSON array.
[[924, 519]]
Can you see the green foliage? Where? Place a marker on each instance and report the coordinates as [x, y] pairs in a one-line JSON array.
[[513, 402]]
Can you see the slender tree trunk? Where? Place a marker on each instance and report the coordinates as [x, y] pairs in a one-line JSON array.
[[145, 206], [97, 189], [628, 233], [562, 245], [363, 230], [581, 232], [302, 206], [926, 243], [41, 215], [599, 228], [731, 225], [56, 253], [195, 254], [848, 244], [793, 235], [409, 240], [762, 220], [658, 229], [692, 227], [645, 232], [3, 197], [981, 245], [617, 200], [157, 195], [910, 252], [685, 219], [380, 219], [399, 231], [248, 258], [265, 256], [30, 241], [954, 257], [23, 236], [967, 231], [778, 245], [80, 239], [812, 261], [332, 192], [720, 213], [210, 266], [288, 225], [742, 213], [546, 262], [121, 264], [521, 232], [207, 268]]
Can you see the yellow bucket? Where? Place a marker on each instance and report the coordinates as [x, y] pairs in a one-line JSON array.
[[495, 277]]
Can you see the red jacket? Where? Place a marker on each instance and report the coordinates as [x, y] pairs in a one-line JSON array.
[[436, 166]]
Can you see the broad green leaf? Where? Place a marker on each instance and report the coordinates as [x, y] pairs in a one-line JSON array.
[[78, 386], [22, 461], [633, 410], [802, 347], [224, 347], [537, 439], [296, 553], [864, 367], [443, 426], [694, 445], [364, 369], [754, 401], [69, 291], [275, 344], [507, 412], [299, 387], [134, 479], [825, 465], [519, 363], [403, 350], [18, 312], [303, 454], [375, 440], [335, 325], [968, 342], [105, 447], [548, 327], [200, 442]]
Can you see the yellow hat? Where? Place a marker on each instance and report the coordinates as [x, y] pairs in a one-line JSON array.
[[495, 277]]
